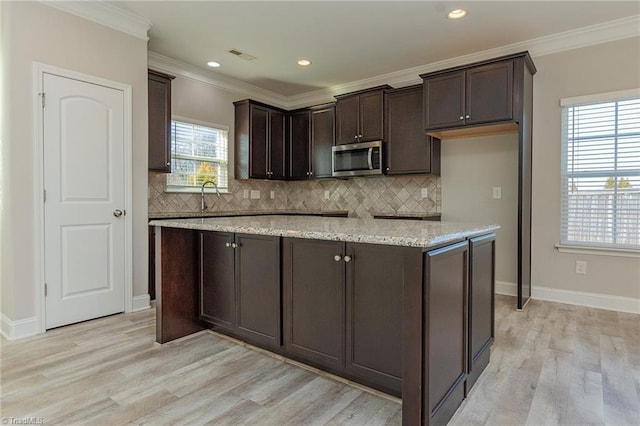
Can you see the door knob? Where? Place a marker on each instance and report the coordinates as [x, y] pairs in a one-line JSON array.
[[117, 213]]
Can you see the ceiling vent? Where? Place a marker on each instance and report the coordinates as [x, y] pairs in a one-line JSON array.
[[242, 55]]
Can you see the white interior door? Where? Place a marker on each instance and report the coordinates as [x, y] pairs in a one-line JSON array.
[[83, 134]]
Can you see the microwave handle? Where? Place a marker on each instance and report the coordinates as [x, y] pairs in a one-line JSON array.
[[370, 158]]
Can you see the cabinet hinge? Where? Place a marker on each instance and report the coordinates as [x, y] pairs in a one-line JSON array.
[[42, 98]]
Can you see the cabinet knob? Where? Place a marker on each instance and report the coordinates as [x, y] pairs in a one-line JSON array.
[[310, 173], [468, 116], [227, 244], [337, 258], [355, 137], [461, 117], [387, 169], [168, 163], [234, 245], [347, 259]]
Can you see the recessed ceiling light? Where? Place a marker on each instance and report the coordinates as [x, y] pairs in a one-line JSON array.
[[213, 64], [304, 62], [457, 14]]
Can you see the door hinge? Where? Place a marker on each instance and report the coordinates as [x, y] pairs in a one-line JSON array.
[[45, 289], [44, 195], [42, 97]]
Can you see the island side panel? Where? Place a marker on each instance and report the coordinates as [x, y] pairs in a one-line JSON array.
[[176, 283], [412, 340]]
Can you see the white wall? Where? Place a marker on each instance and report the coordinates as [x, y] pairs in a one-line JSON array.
[[204, 102], [471, 167], [32, 31], [596, 69]]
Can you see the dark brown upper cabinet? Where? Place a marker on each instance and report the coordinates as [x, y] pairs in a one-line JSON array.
[[260, 141], [407, 149], [481, 94], [159, 105], [360, 116], [311, 136]]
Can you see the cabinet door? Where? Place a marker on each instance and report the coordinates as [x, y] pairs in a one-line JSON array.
[[258, 289], [314, 300], [347, 116], [323, 136], [444, 100], [445, 331], [371, 116], [277, 145], [159, 108], [259, 142], [481, 304], [299, 145], [217, 298], [375, 284], [408, 149], [489, 92]]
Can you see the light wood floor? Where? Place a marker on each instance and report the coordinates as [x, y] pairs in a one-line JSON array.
[[552, 364]]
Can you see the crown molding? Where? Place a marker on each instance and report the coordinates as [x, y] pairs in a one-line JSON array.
[[229, 84], [582, 37], [574, 39], [105, 14]]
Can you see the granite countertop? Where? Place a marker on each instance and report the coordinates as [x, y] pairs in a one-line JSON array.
[[408, 233], [174, 215]]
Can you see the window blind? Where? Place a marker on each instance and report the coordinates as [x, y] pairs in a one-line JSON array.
[[601, 174], [198, 154]]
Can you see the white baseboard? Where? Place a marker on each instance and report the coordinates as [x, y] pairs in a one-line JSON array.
[[592, 300], [570, 297], [506, 288], [19, 329], [140, 303]]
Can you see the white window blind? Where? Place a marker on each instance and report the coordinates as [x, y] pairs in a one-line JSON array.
[[601, 174], [198, 154]]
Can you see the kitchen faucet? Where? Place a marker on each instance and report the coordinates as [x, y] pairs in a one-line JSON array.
[[203, 205]]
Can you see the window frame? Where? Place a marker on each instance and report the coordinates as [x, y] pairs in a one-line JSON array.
[[583, 247], [194, 189]]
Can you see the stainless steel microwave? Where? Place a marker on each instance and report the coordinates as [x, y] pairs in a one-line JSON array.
[[357, 159]]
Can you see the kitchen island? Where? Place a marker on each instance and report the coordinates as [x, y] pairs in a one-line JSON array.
[[402, 306]]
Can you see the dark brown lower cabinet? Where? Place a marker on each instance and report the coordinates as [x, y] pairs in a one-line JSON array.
[[343, 307], [481, 304], [240, 286], [444, 331], [313, 300]]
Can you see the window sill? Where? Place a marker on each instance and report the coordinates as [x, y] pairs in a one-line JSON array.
[[195, 190], [598, 251]]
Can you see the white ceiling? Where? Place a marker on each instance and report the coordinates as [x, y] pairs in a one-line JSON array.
[[350, 41]]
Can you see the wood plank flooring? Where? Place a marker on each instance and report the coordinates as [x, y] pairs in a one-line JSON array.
[[552, 364]]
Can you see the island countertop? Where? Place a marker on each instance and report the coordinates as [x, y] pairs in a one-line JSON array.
[[406, 233]]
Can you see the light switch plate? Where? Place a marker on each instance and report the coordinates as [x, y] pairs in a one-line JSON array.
[[327, 194], [424, 192], [255, 194], [245, 193], [273, 194], [581, 267], [497, 192]]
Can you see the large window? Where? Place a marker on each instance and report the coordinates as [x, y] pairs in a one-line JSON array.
[[198, 154], [601, 171]]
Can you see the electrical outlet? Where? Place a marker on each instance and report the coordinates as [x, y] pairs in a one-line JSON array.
[[497, 192], [273, 194], [581, 267], [255, 194], [424, 192], [245, 193], [327, 194]]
